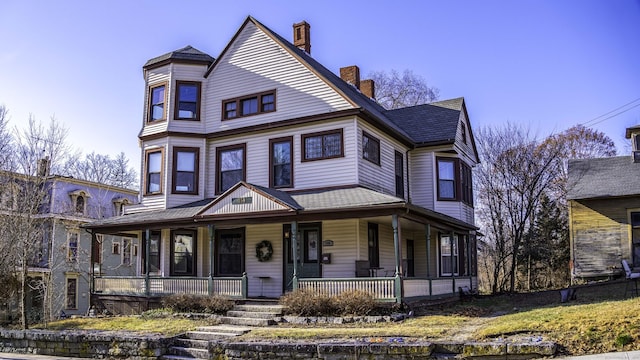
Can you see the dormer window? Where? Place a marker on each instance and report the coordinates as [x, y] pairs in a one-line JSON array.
[[79, 201], [119, 204]]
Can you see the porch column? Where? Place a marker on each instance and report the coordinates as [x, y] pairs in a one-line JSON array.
[[211, 229], [427, 234], [147, 248], [294, 246], [396, 241], [452, 263]]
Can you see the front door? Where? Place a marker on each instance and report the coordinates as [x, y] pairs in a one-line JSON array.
[[309, 253], [229, 252]]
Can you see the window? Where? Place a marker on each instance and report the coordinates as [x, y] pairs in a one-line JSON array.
[[154, 252], [370, 148], [119, 204], [72, 293], [183, 247], [230, 167], [399, 169], [324, 145], [187, 100], [249, 105], [157, 99], [446, 179], [466, 182], [80, 204], [72, 246], [115, 248], [153, 177], [185, 170], [281, 162], [374, 245], [126, 251], [463, 132], [96, 253], [448, 255]]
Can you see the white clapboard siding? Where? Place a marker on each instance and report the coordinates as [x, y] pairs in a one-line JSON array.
[[271, 287], [259, 203], [381, 177], [256, 63], [422, 178], [465, 147], [311, 174], [343, 234]]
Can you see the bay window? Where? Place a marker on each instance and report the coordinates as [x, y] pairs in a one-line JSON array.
[[185, 170]]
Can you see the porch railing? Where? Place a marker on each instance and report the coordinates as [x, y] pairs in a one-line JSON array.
[[382, 289], [390, 289], [233, 287]]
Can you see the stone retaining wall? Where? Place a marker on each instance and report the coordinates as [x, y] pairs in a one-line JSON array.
[[97, 345]]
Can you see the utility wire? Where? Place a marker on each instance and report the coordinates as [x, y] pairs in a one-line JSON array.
[[598, 119]]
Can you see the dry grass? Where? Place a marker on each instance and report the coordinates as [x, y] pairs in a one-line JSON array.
[[600, 320]]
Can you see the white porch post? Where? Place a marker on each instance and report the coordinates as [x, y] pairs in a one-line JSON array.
[[452, 262], [147, 248], [211, 229], [427, 232], [396, 241], [294, 245]]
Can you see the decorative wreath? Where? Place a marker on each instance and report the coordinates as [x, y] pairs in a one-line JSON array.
[[264, 250]]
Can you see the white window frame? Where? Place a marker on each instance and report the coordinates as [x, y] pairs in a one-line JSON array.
[[66, 292], [73, 257]]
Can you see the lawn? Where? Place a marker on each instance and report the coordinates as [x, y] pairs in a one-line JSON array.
[[600, 320]]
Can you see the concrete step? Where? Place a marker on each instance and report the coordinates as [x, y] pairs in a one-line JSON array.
[[208, 335], [252, 314], [175, 357], [227, 320], [226, 329], [191, 343], [189, 352], [274, 309]]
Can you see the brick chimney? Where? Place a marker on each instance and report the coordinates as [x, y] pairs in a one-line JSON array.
[[368, 88], [351, 74], [302, 36]]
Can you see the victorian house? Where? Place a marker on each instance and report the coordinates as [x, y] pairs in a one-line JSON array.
[[263, 172]]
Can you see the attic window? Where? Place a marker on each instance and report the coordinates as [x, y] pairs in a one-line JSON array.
[[463, 131], [253, 104], [79, 202]]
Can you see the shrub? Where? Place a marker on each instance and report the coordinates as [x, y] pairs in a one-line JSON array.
[[197, 303], [623, 339], [308, 303], [355, 302], [311, 303]]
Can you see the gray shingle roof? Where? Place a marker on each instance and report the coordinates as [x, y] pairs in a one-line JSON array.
[[343, 198], [187, 53], [436, 122], [603, 177]]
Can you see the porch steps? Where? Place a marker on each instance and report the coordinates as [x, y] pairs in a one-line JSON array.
[[195, 344], [253, 315]]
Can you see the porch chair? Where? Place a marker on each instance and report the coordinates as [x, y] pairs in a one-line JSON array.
[[362, 268], [630, 275]]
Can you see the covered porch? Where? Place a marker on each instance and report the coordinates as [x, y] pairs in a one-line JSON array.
[[373, 242]]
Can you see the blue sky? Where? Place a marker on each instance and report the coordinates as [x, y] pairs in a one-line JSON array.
[[546, 64]]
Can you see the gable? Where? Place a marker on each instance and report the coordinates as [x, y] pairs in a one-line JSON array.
[[244, 199], [254, 62]]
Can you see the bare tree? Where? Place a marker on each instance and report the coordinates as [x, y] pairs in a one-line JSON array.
[[513, 175], [103, 169], [395, 90]]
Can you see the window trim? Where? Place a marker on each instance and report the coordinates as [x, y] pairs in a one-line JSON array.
[[150, 104], [66, 293], [456, 178], [152, 234], [304, 137], [146, 171], [194, 255], [72, 255], [219, 150], [455, 253], [116, 248], [375, 141], [238, 102], [196, 169], [399, 185], [466, 184], [272, 142], [176, 107], [463, 130]]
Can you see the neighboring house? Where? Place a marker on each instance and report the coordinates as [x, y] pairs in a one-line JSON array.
[[263, 171], [59, 272], [604, 213]]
